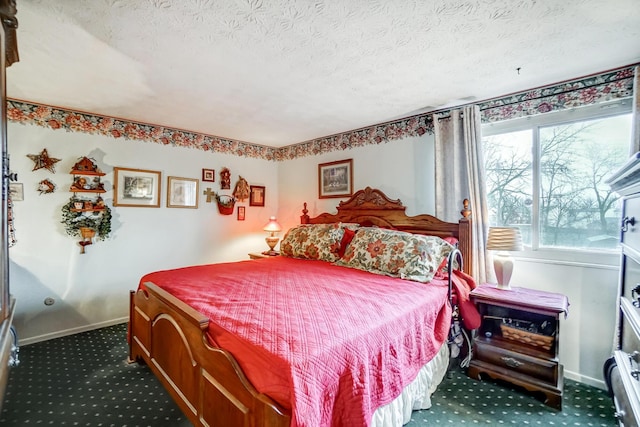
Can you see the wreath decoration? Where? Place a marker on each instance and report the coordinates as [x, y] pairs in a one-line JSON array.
[[74, 220]]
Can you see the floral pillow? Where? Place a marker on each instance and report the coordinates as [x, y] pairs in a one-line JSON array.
[[313, 241], [396, 253]]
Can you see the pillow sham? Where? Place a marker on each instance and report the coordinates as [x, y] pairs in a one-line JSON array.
[[396, 253], [313, 241]]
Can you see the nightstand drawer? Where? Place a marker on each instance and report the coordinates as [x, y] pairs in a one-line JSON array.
[[542, 369]]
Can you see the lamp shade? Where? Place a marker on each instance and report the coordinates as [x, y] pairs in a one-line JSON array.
[[272, 225], [504, 239]]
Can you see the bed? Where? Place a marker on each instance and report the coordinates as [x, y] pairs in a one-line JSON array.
[[201, 345]]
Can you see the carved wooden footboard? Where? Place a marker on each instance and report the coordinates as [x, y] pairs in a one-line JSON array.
[[206, 382]]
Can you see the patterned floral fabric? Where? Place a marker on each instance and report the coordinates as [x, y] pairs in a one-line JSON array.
[[313, 241], [396, 253], [591, 90]]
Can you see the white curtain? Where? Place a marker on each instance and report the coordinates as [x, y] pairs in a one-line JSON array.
[[459, 170]]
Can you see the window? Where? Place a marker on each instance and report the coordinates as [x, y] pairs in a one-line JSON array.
[[546, 175]]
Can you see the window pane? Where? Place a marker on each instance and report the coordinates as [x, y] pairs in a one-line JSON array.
[[577, 209], [509, 185]]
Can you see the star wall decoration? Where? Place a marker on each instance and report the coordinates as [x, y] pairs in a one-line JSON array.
[[43, 161]]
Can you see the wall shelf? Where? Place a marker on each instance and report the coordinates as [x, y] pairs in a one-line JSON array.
[[86, 172], [95, 190], [87, 216], [88, 210]]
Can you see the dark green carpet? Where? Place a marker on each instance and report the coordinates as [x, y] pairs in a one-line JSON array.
[[84, 380], [461, 401]]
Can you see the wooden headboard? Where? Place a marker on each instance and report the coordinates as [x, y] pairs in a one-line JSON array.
[[371, 207]]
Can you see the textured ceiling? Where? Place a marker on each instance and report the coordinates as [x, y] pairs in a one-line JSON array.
[[278, 72]]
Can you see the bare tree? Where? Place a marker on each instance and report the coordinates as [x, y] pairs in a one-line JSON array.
[[573, 199], [508, 175], [558, 185], [599, 165]]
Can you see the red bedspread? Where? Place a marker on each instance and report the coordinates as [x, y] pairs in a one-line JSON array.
[[330, 343]]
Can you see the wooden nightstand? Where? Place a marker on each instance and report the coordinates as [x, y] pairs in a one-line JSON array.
[[518, 339], [260, 255]]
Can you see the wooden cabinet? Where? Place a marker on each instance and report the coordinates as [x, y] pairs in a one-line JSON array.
[[622, 370], [8, 338], [518, 339]]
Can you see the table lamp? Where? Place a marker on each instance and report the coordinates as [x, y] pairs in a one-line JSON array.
[[503, 239], [273, 227]]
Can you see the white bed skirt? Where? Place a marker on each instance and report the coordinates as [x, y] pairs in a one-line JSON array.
[[417, 395]]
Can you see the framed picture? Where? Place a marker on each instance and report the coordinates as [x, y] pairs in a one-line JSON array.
[[182, 192], [241, 213], [335, 179], [136, 188], [208, 175], [256, 195], [16, 191]]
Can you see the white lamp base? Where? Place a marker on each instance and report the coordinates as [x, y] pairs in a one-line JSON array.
[[503, 267]]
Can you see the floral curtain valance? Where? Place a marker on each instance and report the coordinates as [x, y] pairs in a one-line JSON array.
[[578, 93]]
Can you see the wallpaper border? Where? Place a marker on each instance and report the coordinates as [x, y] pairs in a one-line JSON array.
[[74, 121], [604, 87]]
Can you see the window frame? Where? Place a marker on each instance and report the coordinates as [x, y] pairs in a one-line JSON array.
[[578, 256]]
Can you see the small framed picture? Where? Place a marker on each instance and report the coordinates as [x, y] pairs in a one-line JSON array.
[[208, 175], [182, 192], [241, 210], [16, 191], [136, 188], [335, 179], [256, 195]]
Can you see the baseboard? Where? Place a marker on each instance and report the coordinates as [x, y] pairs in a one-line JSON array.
[[598, 383], [72, 331]]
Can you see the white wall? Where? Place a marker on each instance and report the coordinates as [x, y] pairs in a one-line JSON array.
[[404, 170], [92, 289]]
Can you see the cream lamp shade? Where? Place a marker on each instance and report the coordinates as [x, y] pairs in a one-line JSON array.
[[503, 240], [272, 227]]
